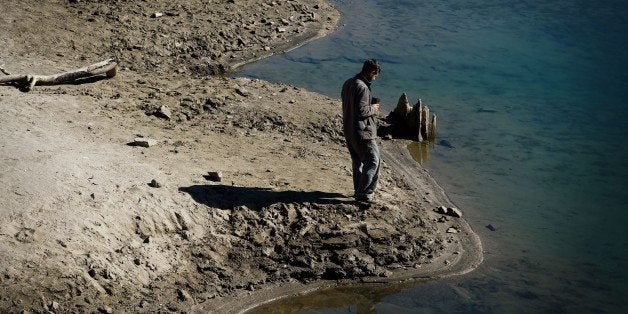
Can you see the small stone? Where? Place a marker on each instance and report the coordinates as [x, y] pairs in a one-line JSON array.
[[490, 227], [453, 211], [215, 176], [266, 48], [156, 15], [281, 29], [153, 183], [105, 309], [387, 137], [386, 273], [54, 305], [452, 230], [183, 295], [107, 274], [243, 92], [164, 112], [144, 142]]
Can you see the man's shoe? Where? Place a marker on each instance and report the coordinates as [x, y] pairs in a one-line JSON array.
[[365, 199]]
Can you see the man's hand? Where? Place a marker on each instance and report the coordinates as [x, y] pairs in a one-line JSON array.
[[375, 107]]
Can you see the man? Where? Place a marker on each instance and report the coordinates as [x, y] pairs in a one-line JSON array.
[[360, 129]]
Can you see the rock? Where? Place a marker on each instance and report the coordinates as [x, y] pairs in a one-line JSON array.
[[164, 112], [243, 92], [156, 15], [384, 272], [387, 137], [490, 227], [215, 176], [105, 309], [184, 295], [144, 142], [452, 230], [453, 211], [154, 183], [441, 210], [54, 305]]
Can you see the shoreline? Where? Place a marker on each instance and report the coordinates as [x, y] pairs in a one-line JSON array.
[[468, 258], [76, 194]]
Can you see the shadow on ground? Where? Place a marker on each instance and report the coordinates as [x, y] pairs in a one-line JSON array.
[[228, 197]]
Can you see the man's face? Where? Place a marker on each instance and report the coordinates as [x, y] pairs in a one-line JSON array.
[[371, 75]]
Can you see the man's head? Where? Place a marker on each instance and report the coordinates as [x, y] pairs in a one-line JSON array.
[[370, 69]]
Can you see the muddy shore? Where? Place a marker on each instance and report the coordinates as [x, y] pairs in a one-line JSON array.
[[92, 223]]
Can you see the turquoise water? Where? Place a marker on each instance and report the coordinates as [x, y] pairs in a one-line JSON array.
[[532, 96]]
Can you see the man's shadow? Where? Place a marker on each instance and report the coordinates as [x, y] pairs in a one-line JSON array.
[[228, 197]]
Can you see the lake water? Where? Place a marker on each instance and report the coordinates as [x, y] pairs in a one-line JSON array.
[[532, 96]]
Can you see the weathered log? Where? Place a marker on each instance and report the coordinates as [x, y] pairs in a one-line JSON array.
[[403, 106], [425, 113], [433, 128], [413, 119], [414, 125], [28, 81]]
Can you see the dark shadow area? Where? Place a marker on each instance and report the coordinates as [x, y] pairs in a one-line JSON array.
[[228, 197], [88, 80]]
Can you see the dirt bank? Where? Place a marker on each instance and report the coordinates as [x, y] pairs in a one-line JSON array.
[[94, 223]]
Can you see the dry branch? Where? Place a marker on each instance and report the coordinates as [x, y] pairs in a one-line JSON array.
[[27, 81]]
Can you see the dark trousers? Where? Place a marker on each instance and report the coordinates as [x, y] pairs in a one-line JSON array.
[[365, 161]]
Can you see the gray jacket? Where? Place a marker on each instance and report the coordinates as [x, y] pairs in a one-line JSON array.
[[357, 113]]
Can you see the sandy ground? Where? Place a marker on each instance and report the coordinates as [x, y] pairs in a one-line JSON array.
[[84, 228]]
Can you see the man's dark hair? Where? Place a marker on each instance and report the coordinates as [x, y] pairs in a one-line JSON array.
[[371, 65]]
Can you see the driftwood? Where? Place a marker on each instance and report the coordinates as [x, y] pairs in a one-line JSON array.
[[28, 81], [410, 122]]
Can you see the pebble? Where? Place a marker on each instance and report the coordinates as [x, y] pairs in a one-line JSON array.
[[164, 112], [452, 230], [144, 142], [154, 183], [451, 211], [183, 295]]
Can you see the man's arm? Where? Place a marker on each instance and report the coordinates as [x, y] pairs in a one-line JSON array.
[[365, 108]]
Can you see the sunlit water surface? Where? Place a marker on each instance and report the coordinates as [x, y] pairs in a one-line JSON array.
[[531, 97]]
